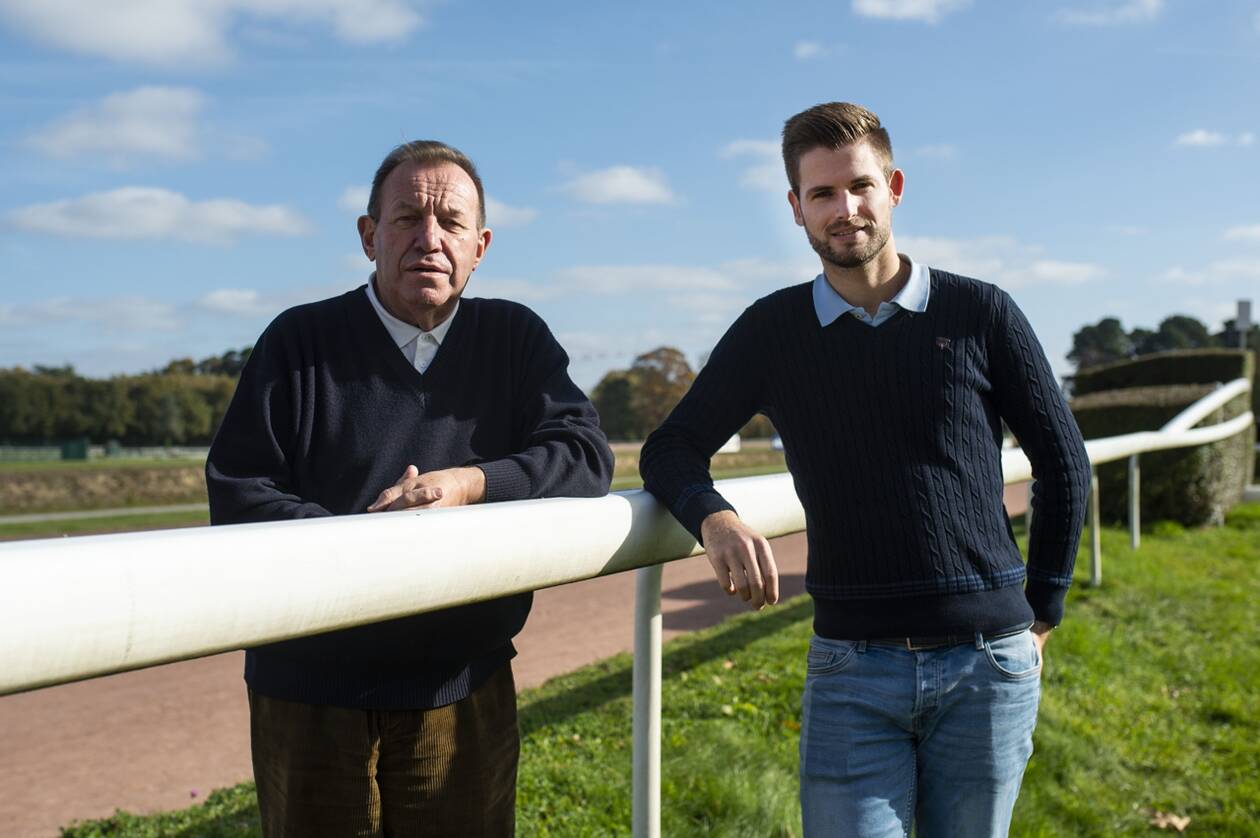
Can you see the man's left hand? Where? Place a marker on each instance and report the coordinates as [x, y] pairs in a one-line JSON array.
[[433, 489], [1041, 633]]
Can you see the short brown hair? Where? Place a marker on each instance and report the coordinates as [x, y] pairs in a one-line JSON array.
[[423, 152], [832, 125]]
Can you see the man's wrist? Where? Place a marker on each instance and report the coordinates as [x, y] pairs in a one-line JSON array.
[[474, 482]]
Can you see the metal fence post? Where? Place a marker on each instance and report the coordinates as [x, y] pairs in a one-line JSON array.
[[647, 703], [1095, 532], [1135, 502]]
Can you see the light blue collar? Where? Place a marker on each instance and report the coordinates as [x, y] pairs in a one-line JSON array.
[[829, 305]]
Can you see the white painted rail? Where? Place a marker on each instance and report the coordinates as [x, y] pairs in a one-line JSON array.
[[77, 608]]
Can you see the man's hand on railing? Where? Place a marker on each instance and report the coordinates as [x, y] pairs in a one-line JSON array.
[[742, 559], [447, 487]]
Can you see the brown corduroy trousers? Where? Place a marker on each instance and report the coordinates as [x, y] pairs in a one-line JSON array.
[[339, 772]]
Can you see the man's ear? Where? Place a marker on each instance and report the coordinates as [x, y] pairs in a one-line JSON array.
[[367, 236], [796, 208], [897, 185], [483, 244]]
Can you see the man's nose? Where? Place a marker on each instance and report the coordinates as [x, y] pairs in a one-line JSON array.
[[428, 234], [849, 204]]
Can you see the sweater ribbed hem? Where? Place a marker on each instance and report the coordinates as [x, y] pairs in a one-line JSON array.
[[436, 685], [695, 506], [1046, 600], [863, 619], [505, 480]]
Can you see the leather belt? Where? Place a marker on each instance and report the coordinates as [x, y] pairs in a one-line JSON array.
[[941, 641]]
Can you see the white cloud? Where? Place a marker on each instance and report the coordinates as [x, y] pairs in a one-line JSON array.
[[182, 32], [805, 50], [507, 288], [622, 185], [766, 172], [1112, 14], [943, 151], [499, 214], [1202, 138], [927, 11], [148, 121], [355, 199], [236, 301], [624, 279], [1251, 233], [998, 259], [114, 315], [1220, 271], [137, 212]]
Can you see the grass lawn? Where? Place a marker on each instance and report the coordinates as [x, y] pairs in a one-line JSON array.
[[108, 524], [99, 464], [1150, 704]]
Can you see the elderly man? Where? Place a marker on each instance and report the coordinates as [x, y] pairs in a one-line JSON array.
[[887, 381], [406, 727]]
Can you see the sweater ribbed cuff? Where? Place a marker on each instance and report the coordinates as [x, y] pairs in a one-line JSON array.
[[1046, 601], [701, 505], [505, 480]]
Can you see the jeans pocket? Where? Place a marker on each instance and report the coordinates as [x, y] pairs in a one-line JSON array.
[[1014, 657], [827, 657]]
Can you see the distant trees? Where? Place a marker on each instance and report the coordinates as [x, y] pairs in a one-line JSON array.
[[1106, 341], [182, 403], [633, 402]]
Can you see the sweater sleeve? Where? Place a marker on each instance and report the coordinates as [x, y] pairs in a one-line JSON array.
[[249, 470], [1029, 399], [675, 458], [563, 452]]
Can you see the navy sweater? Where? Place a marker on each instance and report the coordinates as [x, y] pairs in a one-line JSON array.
[[893, 438], [329, 412]]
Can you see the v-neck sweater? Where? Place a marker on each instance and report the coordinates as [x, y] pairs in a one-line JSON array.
[[328, 413], [893, 438]]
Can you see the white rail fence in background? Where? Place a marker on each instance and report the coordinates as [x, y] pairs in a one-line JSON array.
[[78, 608]]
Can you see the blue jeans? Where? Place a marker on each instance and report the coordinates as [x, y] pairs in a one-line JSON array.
[[937, 737]]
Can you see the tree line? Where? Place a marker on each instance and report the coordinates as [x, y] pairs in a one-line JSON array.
[[1107, 341], [180, 404], [633, 402]]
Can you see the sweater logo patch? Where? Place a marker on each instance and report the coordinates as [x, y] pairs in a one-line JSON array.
[[942, 343]]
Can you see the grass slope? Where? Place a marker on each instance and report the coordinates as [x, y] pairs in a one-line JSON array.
[[1149, 705]]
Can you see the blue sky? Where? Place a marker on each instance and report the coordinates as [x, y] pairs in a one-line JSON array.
[[176, 172]]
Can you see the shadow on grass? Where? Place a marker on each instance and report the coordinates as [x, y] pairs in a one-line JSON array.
[[682, 654]]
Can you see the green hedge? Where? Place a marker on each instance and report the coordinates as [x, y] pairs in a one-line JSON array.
[[1192, 486], [1186, 366]]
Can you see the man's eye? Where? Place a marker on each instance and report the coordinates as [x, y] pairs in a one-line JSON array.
[[405, 221]]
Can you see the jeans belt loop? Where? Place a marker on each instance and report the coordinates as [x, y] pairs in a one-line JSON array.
[[861, 646], [979, 641]]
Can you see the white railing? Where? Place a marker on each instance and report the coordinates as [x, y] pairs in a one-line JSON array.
[[79, 608]]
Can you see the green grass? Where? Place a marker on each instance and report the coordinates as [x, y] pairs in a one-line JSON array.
[[633, 481], [100, 464], [1149, 704], [107, 524]]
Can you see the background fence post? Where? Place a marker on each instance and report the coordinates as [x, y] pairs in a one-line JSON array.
[[1135, 502], [1095, 531], [647, 703]]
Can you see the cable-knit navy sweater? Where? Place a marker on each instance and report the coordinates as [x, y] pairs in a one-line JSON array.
[[328, 413], [893, 438]]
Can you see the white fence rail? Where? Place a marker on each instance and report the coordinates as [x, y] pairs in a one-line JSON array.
[[74, 609]]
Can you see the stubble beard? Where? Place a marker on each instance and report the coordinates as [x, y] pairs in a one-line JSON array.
[[853, 257]]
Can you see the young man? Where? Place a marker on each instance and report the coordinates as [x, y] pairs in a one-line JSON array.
[[406, 727], [888, 382]]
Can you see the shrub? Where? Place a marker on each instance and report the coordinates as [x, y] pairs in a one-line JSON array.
[[1192, 486]]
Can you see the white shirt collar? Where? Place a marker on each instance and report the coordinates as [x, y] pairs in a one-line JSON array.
[[401, 331]]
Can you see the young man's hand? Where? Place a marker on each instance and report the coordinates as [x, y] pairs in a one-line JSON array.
[[447, 487], [1041, 633], [741, 559]]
